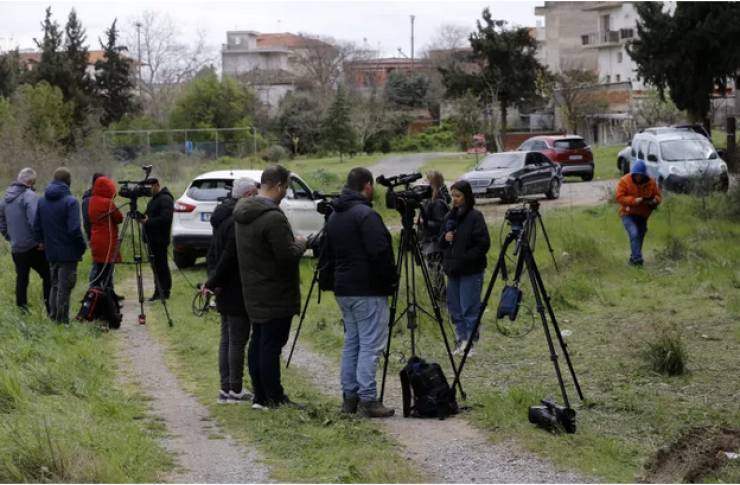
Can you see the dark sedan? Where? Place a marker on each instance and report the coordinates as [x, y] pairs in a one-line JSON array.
[[509, 175]]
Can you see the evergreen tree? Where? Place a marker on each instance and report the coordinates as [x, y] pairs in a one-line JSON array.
[[82, 86], [11, 73], [689, 52], [113, 78], [52, 67], [337, 127]]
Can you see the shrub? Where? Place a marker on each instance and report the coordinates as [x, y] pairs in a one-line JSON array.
[[666, 353], [275, 154]]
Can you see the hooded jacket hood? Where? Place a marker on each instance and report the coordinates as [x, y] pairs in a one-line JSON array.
[[250, 209], [56, 190], [348, 199], [222, 212], [15, 190], [104, 187]]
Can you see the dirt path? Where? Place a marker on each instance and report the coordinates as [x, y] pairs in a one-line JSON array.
[[451, 451], [205, 454], [572, 194], [398, 164]]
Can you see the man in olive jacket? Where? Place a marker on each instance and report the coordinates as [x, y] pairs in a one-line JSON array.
[[268, 256]]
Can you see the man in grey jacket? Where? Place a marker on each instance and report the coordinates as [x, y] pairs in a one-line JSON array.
[[17, 215]]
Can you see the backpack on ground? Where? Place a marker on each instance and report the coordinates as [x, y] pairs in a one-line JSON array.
[[101, 304], [426, 385]]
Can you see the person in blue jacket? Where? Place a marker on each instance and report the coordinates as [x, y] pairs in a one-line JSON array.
[[58, 225]]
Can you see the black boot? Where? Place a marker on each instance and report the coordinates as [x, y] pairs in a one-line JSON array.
[[375, 409], [349, 403]]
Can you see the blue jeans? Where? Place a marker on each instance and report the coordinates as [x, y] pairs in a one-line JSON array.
[[463, 303], [636, 227], [365, 336]]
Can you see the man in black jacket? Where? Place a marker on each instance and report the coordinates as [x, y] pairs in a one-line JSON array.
[[157, 225], [364, 277], [224, 279]]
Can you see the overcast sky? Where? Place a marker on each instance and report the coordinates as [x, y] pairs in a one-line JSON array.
[[382, 24]]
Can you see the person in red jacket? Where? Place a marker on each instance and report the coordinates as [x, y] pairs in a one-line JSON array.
[[104, 221], [638, 196]]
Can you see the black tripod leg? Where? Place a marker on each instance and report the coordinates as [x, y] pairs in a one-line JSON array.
[[484, 304], [392, 314], [303, 315], [532, 272], [157, 286], [556, 327]]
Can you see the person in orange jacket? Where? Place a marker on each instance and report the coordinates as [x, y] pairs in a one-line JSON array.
[[639, 196], [104, 220]]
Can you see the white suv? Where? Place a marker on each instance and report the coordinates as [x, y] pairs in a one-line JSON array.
[[191, 227]]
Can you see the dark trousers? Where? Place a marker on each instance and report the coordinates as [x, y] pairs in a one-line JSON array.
[[268, 340], [24, 263], [161, 268], [234, 336], [101, 275], [63, 280]]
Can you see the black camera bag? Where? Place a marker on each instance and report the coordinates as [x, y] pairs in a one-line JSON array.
[[511, 298], [101, 304], [427, 384]]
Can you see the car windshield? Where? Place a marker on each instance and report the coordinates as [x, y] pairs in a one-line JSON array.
[[571, 143], [209, 189], [502, 160], [682, 150]]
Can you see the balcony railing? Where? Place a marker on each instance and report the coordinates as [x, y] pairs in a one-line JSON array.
[[594, 39]]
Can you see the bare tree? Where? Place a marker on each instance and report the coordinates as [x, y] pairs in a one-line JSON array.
[[578, 95], [368, 115], [166, 61], [321, 60], [447, 40]]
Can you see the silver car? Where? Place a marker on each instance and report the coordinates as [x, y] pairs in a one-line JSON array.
[[680, 160]]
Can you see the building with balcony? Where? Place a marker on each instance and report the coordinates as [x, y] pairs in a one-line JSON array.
[[560, 43]]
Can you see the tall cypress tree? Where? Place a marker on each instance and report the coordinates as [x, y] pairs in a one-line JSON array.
[[52, 67], [113, 78], [11, 73], [337, 128], [80, 87]]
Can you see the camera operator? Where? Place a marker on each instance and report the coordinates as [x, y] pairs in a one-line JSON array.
[[224, 279], [58, 225], [433, 212], [157, 225], [17, 215], [638, 195], [269, 258], [465, 242], [364, 277], [104, 219]]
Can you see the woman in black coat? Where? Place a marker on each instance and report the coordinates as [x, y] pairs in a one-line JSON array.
[[465, 242], [433, 212]]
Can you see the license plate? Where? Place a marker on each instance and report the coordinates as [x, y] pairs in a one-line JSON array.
[[205, 216], [479, 190], [576, 157]]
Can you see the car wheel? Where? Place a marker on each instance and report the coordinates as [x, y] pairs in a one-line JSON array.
[[554, 190], [514, 192], [183, 259], [588, 177], [624, 166]]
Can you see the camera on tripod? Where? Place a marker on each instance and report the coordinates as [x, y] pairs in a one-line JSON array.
[[324, 205], [131, 189], [410, 197]]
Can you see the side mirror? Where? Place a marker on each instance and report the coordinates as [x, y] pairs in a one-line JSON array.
[[652, 158]]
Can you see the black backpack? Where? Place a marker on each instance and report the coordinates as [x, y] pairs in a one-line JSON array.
[[432, 395], [101, 304]]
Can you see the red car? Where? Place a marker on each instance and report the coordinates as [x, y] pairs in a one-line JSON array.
[[570, 151]]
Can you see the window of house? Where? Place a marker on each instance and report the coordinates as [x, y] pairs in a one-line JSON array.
[[619, 57], [617, 77], [608, 78]]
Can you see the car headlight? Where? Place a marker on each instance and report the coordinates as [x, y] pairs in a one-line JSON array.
[[673, 170], [723, 167]]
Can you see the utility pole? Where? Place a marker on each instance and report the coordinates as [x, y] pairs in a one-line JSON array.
[[412, 42], [138, 40]]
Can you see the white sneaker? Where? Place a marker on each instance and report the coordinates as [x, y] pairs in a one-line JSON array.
[[240, 397], [460, 347], [223, 397], [260, 407]]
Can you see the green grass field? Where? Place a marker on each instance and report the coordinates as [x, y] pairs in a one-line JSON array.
[[63, 415], [690, 287]]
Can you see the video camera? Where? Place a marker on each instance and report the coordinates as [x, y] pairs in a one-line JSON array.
[[517, 216], [409, 197], [324, 205], [131, 189], [552, 417]]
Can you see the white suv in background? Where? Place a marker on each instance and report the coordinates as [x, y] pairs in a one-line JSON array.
[[191, 226]]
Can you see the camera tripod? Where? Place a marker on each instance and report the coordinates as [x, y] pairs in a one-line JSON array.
[[524, 223], [409, 256], [132, 227]]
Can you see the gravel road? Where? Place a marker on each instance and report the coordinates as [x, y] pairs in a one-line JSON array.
[[398, 164], [450, 451], [205, 453]]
